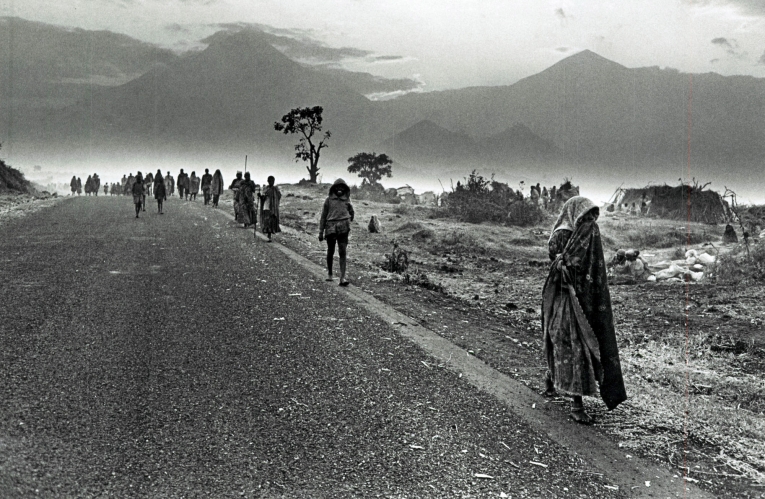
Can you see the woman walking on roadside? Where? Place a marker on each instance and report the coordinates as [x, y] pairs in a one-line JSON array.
[[137, 192], [73, 185], [269, 208], [577, 321], [216, 187], [335, 226], [159, 191]]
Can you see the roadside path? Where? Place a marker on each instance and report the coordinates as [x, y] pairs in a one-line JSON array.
[[176, 356]]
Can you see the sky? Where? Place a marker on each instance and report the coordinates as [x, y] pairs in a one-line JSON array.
[[444, 44]]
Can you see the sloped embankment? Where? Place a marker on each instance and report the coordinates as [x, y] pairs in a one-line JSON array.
[[12, 181]]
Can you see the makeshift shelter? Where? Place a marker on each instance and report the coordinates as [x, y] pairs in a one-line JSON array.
[[681, 202]]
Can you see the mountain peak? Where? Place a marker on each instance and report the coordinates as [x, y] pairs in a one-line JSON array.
[[588, 59]]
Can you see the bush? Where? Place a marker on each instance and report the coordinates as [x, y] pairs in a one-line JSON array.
[[375, 193], [656, 237], [740, 267], [486, 200], [397, 261]]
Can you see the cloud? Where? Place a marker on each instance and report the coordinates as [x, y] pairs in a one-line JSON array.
[[761, 60], [562, 49], [176, 28], [383, 58], [374, 87], [299, 45], [561, 15], [730, 45], [753, 7]]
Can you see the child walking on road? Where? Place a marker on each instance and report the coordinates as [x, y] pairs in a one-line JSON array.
[[137, 192], [335, 226]]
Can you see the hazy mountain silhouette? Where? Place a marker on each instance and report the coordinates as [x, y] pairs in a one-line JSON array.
[[51, 66], [598, 112], [584, 111]]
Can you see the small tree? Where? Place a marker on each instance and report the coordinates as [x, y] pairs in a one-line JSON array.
[[371, 167], [305, 121]]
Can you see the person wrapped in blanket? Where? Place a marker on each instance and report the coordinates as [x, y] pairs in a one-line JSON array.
[[335, 226], [577, 321], [269, 208]]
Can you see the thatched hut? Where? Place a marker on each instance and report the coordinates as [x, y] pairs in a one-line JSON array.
[[681, 202]]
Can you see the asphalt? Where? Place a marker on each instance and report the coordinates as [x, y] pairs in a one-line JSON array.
[[178, 356]]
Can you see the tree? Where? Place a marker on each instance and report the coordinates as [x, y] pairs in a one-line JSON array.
[[370, 166], [305, 121]]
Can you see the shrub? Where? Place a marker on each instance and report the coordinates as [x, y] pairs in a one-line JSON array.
[[739, 267], [486, 200], [397, 261]]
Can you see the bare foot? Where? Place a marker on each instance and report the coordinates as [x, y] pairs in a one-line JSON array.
[[580, 416], [344, 283]]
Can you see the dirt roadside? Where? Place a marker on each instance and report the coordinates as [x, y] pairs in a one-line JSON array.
[[697, 414]]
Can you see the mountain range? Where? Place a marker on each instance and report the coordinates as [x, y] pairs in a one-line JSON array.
[[87, 94]]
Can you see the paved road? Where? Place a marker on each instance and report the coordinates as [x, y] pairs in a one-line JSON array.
[[176, 356]]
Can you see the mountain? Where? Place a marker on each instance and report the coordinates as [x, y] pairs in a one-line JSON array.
[[51, 66], [227, 95], [600, 113], [426, 143]]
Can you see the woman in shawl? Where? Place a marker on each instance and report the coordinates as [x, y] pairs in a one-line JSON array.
[[137, 191], [159, 191], [79, 186], [193, 186], [247, 196], [88, 186], [335, 225], [216, 187], [73, 185], [235, 189], [169, 185], [269, 208], [577, 322]]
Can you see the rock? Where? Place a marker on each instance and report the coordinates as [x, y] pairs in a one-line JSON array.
[[705, 259], [374, 225], [511, 306]]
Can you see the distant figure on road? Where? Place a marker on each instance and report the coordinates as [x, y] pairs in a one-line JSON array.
[[137, 191], [106, 188], [235, 188], [335, 226], [183, 185], [577, 322], [124, 184], [269, 208], [206, 181], [96, 184], [88, 186], [159, 191], [148, 183], [169, 185], [79, 186], [216, 187], [193, 186], [73, 185], [247, 198]]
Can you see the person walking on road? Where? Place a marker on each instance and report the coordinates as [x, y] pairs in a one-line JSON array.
[[73, 185], [247, 197], [206, 181], [159, 191], [169, 185], [216, 187], [193, 186], [335, 226], [235, 188], [269, 208], [183, 184], [137, 191], [577, 321], [79, 186]]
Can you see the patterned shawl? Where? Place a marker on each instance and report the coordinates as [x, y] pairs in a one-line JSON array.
[[574, 209], [580, 340]]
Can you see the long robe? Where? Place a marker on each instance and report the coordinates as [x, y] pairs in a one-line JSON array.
[[247, 202], [577, 320], [268, 212]]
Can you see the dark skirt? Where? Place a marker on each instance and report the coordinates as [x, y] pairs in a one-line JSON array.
[[270, 223]]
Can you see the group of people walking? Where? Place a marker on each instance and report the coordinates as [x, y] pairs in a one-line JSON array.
[[92, 185]]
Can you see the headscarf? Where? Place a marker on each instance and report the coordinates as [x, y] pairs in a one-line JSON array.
[[573, 210]]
